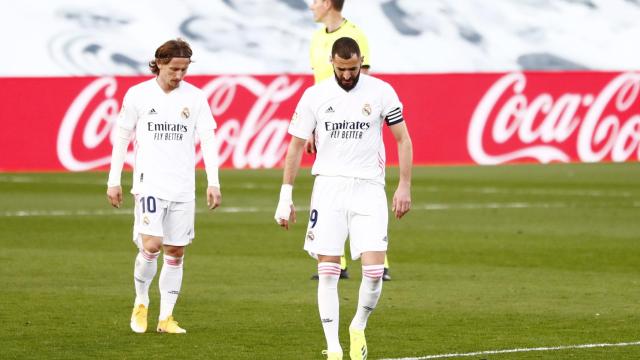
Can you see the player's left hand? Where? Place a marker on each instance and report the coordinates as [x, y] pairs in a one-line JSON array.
[[214, 197], [401, 201]]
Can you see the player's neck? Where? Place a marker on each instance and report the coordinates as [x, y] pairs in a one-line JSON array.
[[166, 87], [333, 21]]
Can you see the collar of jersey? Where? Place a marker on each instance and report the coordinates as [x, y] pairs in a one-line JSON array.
[[344, 21]]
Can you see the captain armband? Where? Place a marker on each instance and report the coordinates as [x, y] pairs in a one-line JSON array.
[[394, 117]]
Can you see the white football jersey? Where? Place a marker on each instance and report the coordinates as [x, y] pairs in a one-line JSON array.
[[165, 126], [348, 126]]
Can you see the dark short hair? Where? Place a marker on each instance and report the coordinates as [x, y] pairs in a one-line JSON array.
[[337, 4], [345, 47], [177, 48]]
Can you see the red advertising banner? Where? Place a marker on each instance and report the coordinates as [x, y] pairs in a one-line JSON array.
[[67, 123]]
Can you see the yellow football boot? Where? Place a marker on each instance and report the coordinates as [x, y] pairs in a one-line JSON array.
[[358, 350], [170, 326], [139, 319]]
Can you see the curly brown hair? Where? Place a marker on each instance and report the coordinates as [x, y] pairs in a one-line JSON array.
[[177, 48]]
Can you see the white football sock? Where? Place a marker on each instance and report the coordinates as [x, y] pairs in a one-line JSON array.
[[329, 304], [170, 282], [370, 290], [144, 271]]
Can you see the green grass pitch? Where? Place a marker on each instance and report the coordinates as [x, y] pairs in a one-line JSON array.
[[490, 258]]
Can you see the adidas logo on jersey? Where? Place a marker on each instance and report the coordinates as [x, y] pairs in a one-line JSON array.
[[153, 112], [329, 110]]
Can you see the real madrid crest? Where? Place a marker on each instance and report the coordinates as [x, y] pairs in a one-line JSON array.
[[185, 113], [366, 110]]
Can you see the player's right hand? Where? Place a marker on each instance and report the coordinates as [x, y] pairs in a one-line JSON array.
[[114, 193], [285, 214]]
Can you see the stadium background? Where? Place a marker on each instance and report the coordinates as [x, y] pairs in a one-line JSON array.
[[491, 258]]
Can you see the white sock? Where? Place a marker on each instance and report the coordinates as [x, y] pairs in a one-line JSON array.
[[370, 290], [170, 283], [329, 304], [144, 271]]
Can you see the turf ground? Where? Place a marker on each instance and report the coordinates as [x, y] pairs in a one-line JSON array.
[[490, 258]]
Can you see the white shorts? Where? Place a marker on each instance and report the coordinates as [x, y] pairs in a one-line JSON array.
[[173, 221], [342, 207]]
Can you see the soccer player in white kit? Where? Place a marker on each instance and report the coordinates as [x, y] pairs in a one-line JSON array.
[[165, 113], [347, 113]]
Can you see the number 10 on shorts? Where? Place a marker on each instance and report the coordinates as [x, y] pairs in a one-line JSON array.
[[148, 204]]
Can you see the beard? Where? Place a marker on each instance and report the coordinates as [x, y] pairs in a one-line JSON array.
[[347, 87]]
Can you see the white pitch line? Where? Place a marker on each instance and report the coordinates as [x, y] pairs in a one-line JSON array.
[[253, 209], [26, 179], [509, 351], [249, 209], [108, 212]]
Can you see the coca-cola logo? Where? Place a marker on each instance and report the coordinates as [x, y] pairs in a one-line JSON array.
[[602, 126], [251, 135]]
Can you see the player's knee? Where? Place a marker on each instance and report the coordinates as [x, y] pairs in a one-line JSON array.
[[151, 244], [151, 248], [174, 251]]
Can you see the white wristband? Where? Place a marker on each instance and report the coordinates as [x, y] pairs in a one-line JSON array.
[[286, 192]]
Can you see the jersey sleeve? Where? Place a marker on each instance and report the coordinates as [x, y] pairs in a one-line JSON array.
[[391, 106], [128, 117], [204, 119], [303, 121]]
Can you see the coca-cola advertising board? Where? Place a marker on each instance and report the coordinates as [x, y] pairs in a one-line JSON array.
[[64, 124]]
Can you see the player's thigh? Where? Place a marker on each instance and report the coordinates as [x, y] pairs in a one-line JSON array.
[[179, 223], [368, 221], [149, 213], [327, 228]]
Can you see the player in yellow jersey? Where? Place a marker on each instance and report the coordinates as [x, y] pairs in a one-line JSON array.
[[329, 13]]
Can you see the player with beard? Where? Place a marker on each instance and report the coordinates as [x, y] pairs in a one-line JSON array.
[[347, 113], [335, 26]]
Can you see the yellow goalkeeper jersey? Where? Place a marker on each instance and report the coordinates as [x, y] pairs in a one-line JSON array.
[[321, 44]]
